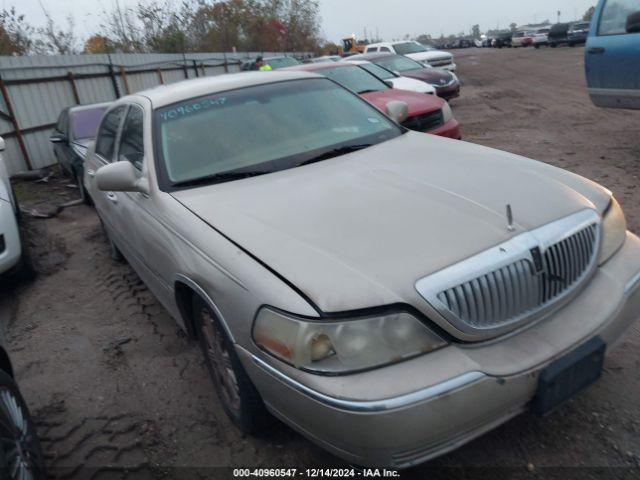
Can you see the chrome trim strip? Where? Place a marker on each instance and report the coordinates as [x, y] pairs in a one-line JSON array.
[[503, 255], [384, 405], [200, 291], [632, 284]]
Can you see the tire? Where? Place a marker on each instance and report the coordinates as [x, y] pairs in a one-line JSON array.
[[239, 397], [20, 452], [116, 254], [84, 194]]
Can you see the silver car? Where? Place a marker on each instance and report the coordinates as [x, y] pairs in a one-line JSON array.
[[390, 295]]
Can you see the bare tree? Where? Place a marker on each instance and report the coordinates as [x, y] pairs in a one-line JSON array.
[[15, 33]]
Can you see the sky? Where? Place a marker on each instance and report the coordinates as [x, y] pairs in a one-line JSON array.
[[392, 19]]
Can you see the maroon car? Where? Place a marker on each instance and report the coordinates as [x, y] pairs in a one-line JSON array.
[[427, 113], [446, 84]]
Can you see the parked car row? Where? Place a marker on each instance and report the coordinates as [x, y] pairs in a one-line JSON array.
[[571, 34]]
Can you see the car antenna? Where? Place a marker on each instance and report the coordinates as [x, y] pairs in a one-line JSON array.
[[510, 226]]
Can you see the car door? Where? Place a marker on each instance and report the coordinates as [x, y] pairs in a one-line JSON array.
[[105, 149], [61, 148], [144, 235], [613, 55]]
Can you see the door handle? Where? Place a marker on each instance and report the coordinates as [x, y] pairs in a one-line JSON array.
[[91, 173], [596, 50], [112, 197]]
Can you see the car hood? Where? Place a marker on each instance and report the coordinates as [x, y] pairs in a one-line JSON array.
[[418, 103], [430, 75], [429, 56], [359, 230], [406, 83]]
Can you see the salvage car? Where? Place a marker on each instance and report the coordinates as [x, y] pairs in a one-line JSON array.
[[416, 51], [522, 39], [502, 40], [578, 33], [446, 84], [75, 128], [425, 113], [558, 35], [15, 263], [393, 79], [21, 456], [612, 57], [388, 294], [541, 37]]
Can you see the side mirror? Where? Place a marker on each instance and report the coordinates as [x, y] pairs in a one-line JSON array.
[[633, 22], [120, 177], [57, 137], [399, 111], [2, 145]]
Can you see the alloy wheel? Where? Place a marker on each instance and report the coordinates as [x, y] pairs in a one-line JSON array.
[[16, 440], [219, 359]]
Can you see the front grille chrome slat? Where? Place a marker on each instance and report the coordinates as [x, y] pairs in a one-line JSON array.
[[499, 289]]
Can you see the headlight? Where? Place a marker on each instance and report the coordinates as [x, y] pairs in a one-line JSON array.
[[447, 114], [614, 230], [342, 346]]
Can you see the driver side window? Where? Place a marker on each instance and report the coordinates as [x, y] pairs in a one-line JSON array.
[[131, 147]]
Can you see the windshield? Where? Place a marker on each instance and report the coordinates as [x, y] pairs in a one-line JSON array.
[[355, 79], [281, 62], [262, 129], [398, 63], [409, 47], [378, 71], [84, 123]]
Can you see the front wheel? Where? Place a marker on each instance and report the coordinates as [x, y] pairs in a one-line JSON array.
[[20, 453], [239, 397]]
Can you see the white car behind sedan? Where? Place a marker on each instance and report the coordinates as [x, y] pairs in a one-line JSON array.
[[397, 81], [12, 257]]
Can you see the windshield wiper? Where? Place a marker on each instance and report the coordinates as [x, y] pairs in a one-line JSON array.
[[218, 178], [371, 90], [335, 153]]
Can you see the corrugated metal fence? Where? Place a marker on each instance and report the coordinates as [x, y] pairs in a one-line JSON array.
[[35, 89]]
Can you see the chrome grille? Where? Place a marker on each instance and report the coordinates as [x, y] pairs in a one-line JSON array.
[[530, 273]]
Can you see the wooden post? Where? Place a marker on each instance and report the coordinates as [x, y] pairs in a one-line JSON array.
[[74, 88], [204, 72], [14, 122], [114, 80], [195, 67], [123, 75], [226, 63], [160, 78]]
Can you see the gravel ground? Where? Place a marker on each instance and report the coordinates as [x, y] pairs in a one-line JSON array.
[[118, 391]]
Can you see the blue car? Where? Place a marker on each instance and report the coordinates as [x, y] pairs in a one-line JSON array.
[[612, 55]]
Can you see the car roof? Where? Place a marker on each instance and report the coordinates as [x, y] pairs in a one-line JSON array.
[[375, 55], [88, 106], [312, 67], [166, 94]]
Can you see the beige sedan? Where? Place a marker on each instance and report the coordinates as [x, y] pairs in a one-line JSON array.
[[388, 294]]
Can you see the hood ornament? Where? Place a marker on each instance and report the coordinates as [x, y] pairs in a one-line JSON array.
[[510, 226]]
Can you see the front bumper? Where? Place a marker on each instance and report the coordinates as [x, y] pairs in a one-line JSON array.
[[449, 92], [410, 412], [10, 249], [451, 129], [451, 67]]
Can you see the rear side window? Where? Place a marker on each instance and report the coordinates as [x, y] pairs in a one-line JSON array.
[[131, 141], [372, 49], [385, 49], [613, 20], [105, 143]]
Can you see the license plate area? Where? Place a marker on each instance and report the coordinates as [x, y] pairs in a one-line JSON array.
[[568, 375]]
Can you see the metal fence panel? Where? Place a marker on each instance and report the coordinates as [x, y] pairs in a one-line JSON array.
[[35, 89]]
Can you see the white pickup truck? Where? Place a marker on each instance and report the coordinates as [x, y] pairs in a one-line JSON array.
[[416, 51]]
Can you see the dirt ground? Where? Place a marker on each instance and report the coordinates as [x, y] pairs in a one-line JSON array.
[[118, 391]]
